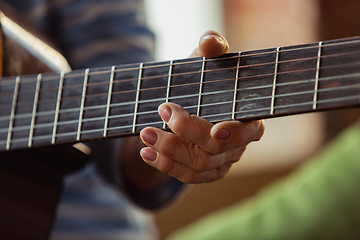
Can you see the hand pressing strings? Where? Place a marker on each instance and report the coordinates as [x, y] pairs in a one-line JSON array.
[[196, 150]]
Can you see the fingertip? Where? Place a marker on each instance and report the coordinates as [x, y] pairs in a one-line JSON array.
[[165, 112], [212, 44], [222, 134], [148, 136], [148, 154]]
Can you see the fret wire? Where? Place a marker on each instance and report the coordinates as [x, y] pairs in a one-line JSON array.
[[125, 103], [184, 96], [168, 88], [33, 115], [109, 101], [274, 81], [236, 86], [208, 116], [251, 110], [137, 97], [316, 85], [263, 75], [287, 72], [201, 85], [203, 105], [178, 74], [74, 86], [58, 101], [12, 115], [242, 78], [81, 112]]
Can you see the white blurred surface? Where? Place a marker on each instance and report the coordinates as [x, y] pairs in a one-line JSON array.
[[178, 24]]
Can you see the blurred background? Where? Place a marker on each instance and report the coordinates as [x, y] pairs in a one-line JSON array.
[[253, 24]]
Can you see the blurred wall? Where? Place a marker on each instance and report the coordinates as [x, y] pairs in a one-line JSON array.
[[247, 24]]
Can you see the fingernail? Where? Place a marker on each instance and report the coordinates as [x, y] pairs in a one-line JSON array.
[[214, 37], [165, 112], [222, 134], [149, 136], [148, 154]]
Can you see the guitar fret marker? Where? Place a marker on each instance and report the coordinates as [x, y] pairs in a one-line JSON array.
[[109, 100], [274, 81], [168, 87], [201, 85], [316, 86], [56, 117], [235, 89], [33, 117], [12, 116], [81, 113], [137, 97]]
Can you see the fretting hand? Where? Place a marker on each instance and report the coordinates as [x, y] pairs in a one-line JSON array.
[[198, 151]]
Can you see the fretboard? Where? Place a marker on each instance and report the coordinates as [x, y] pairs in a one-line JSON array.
[[121, 100]]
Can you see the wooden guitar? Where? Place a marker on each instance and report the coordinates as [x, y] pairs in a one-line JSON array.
[[49, 110]]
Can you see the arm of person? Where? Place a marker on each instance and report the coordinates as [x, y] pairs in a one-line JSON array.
[[196, 151]]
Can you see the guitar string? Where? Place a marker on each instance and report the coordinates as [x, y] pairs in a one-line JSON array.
[[253, 116], [97, 107], [24, 92], [155, 112], [189, 107], [30, 92], [160, 122], [206, 71], [80, 73], [252, 76], [26, 81], [171, 98], [174, 86]]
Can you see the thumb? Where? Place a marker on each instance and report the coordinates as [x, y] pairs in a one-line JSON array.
[[212, 44]]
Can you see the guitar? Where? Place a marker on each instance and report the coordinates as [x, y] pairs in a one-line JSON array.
[[48, 110]]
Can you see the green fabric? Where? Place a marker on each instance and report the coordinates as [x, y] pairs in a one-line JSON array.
[[319, 201]]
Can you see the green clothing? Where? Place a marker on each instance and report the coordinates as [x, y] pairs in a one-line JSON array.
[[319, 201]]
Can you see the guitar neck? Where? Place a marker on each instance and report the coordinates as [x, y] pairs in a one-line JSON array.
[[46, 109]]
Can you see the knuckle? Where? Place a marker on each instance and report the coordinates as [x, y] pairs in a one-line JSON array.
[[197, 161], [167, 166], [178, 123], [222, 171], [190, 177], [217, 149], [169, 145]]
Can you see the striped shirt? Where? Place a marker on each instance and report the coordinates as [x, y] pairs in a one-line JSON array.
[[93, 33]]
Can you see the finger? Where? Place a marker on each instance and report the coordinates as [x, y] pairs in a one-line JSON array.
[[190, 127], [236, 134], [212, 44], [171, 146], [183, 172]]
